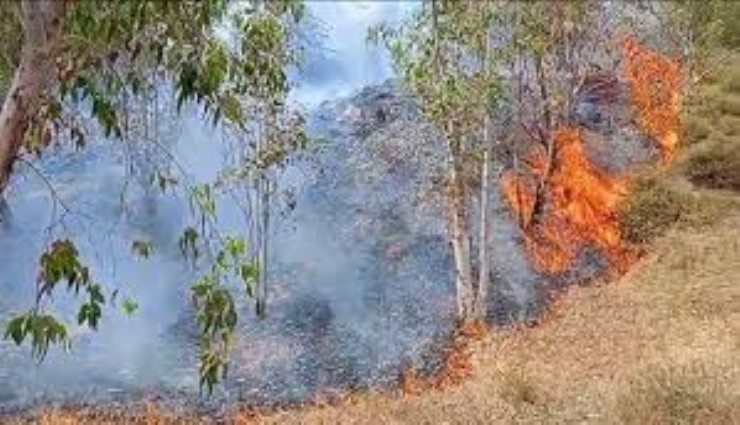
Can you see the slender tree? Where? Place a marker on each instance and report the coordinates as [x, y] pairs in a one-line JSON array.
[[444, 55]]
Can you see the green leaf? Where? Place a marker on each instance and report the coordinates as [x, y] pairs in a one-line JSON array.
[[129, 307], [142, 248], [42, 329], [250, 273], [188, 243], [15, 330]]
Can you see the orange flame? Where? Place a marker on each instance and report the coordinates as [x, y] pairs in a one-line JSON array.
[[582, 208], [520, 195], [655, 83], [581, 201]]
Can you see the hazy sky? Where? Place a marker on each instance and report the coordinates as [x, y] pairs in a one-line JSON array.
[[346, 62]]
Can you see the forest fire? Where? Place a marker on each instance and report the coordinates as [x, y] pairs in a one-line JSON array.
[[456, 367], [655, 85], [582, 205], [581, 201]]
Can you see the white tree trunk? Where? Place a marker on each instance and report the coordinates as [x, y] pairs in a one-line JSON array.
[[42, 22], [481, 296], [483, 260], [459, 214], [460, 238]]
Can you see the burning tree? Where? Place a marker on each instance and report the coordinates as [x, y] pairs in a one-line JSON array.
[[563, 201], [445, 55], [655, 85], [536, 62]]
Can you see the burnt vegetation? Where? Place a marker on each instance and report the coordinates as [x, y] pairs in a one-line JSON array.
[[440, 246]]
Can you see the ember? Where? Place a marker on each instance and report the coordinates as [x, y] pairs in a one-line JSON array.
[[456, 367]]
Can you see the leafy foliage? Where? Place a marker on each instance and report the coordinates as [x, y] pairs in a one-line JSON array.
[[189, 244], [232, 266], [215, 307], [129, 307], [142, 249], [114, 54], [42, 329], [440, 52], [59, 264]]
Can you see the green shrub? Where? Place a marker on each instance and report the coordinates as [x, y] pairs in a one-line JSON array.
[[696, 130], [729, 12], [729, 125], [650, 210], [733, 83]]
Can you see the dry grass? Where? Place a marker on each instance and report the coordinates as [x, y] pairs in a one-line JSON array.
[[698, 392], [731, 105], [662, 345]]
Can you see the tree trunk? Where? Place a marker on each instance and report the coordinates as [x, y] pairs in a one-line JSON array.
[[547, 139], [458, 216], [483, 260], [460, 237], [481, 295], [42, 22]]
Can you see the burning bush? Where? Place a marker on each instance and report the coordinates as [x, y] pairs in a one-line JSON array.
[[581, 208], [655, 86], [570, 204]]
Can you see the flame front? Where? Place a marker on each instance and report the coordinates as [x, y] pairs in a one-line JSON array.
[[581, 201], [655, 85], [582, 208]]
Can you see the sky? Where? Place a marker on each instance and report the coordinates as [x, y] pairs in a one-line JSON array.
[[344, 62]]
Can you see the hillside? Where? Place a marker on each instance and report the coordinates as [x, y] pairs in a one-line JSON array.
[[660, 344]]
